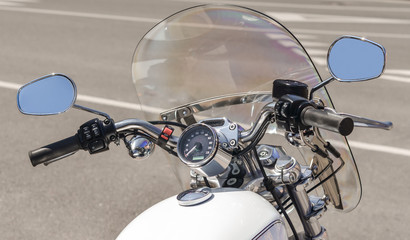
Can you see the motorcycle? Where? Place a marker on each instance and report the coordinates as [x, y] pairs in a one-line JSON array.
[[239, 108]]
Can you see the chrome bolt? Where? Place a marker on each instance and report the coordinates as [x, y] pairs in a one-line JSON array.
[[164, 118], [292, 177], [263, 154], [225, 145], [232, 126], [232, 142]]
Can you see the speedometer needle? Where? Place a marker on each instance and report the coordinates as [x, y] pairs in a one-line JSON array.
[[189, 152]]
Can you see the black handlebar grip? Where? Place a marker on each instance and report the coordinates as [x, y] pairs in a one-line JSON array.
[[327, 120], [55, 150]]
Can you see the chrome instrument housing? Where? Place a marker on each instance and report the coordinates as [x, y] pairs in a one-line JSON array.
[[216, 162]]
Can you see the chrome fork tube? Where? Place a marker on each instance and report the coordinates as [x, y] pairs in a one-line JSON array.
[[303, 206]]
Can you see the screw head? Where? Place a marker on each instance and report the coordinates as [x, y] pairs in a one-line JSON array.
[[232, 142], [232, 126], [231, 181]]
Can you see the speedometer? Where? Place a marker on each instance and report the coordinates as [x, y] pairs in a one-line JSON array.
[[198, 147]]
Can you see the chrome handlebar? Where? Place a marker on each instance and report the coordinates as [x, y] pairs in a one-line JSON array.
[[266, 112], [247, 135], [146, 127]]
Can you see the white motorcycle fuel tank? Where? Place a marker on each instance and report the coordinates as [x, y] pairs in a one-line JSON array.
[[208, 214]]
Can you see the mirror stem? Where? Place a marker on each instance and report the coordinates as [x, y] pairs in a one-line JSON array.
[[92, 111], [320, 85]]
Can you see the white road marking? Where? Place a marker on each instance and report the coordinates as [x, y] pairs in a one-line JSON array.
[[306, 36], [395, 78], [9, 85], [373, 1], [340, 33], [311, 6], [133, 106], [22, 1], [308, 44], [120, 104], [398, 71], [321, 18], [154, 20], [315, 52], [11, 4], [81, 14], [15, 3], [319, 61], [380, 148]]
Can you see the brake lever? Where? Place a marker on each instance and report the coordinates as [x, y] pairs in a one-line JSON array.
[[368, 123]]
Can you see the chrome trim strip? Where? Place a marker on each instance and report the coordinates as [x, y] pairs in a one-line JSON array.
[[263, 231], [189, 109]]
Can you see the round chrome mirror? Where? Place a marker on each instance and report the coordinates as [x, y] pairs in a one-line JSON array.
[[352, 59], [51, 94]]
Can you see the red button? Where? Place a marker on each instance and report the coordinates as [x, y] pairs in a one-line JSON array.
[[167, 131]]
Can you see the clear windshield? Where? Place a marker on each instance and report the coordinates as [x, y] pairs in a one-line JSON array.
[[214, 50]]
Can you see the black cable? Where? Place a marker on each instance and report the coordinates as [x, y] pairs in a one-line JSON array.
[[177, 124], [207, 182], [328, 177], [330, 163], [258, 138], [271, 188]]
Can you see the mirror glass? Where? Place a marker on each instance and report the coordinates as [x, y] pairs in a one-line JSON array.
[[52, 94], [356, 59]]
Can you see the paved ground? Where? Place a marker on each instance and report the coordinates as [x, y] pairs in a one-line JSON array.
[[95, 197]]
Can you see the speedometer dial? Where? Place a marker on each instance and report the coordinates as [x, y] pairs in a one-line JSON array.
[[197, 145]]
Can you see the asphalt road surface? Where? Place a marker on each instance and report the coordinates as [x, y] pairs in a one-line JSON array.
[[94, 197]]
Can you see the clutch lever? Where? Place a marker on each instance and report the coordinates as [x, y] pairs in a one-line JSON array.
[[368, 123]]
